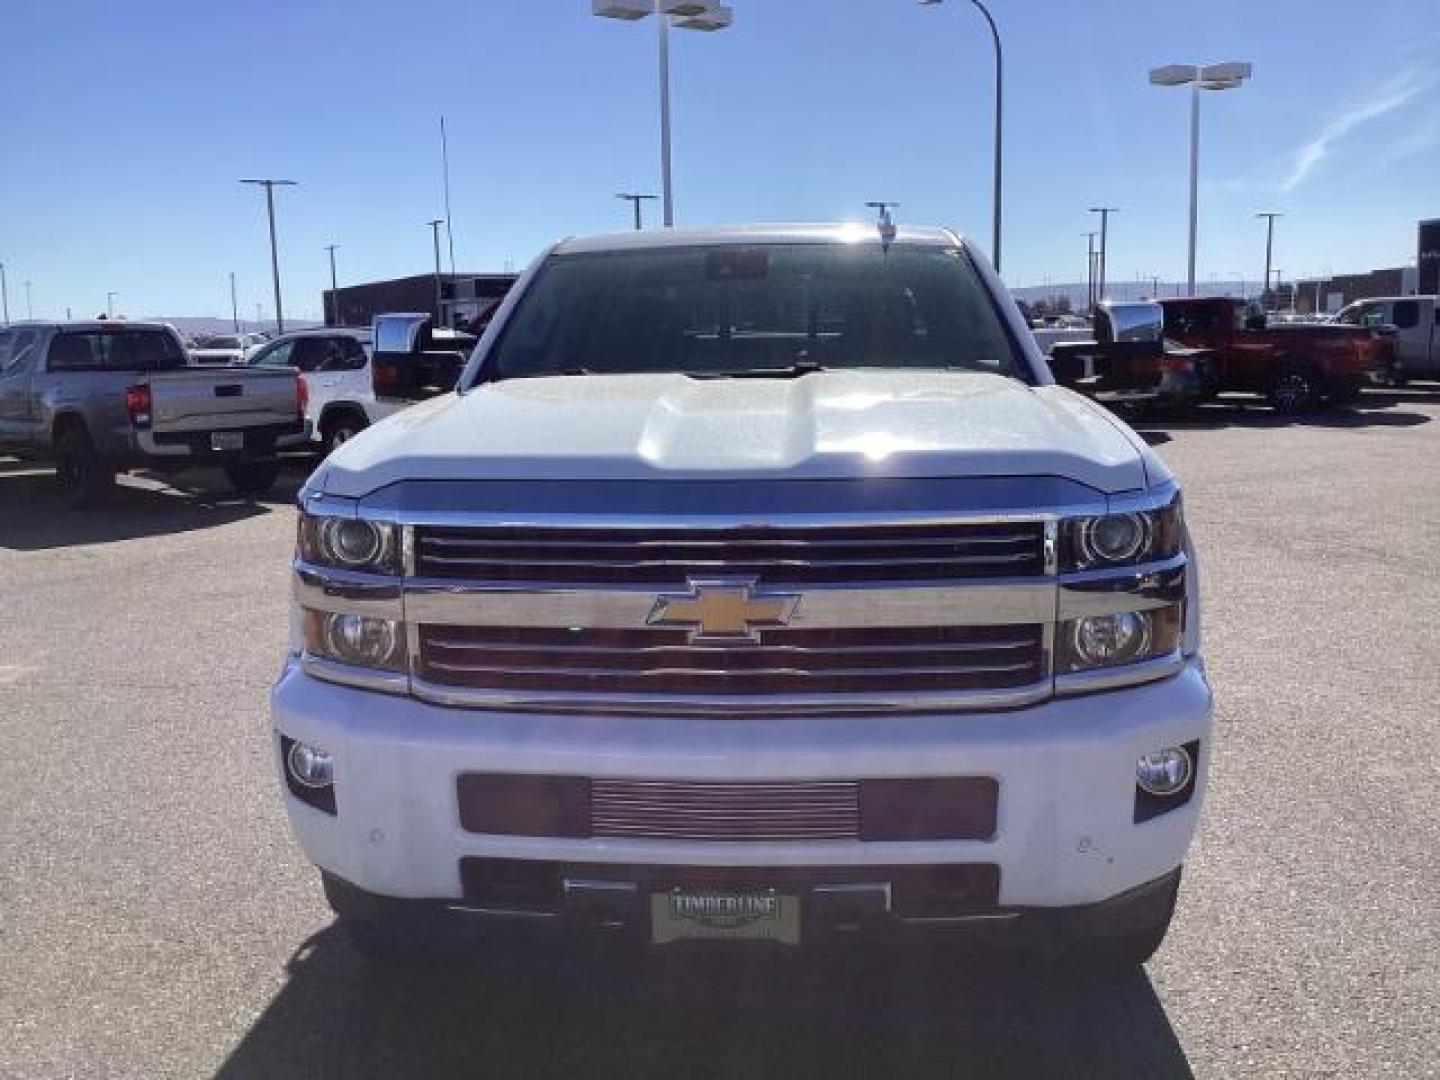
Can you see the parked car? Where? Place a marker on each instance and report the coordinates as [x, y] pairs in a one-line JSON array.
[[1412, 320], [102, 397], [221, 349], [755, 583], [1128, 363], [1298, 368], [349, 387]]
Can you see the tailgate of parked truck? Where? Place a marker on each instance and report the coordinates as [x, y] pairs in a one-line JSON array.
[[199, 400]]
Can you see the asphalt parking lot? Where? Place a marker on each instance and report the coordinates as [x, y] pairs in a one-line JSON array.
[[156, 919]]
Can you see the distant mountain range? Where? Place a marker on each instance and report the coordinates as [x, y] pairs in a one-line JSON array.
[[193, 325]]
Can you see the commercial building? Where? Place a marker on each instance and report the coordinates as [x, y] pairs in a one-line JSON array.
[[464, 298]]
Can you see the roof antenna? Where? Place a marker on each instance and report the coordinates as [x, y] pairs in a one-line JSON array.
[[887, 226]]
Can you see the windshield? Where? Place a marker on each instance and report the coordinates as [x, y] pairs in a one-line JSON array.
[[734, 310]]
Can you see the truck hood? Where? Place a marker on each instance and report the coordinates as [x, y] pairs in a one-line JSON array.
[[826, 425]]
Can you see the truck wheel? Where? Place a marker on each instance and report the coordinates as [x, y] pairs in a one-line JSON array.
[[1119, 955], [85, 480], [1293, 392], [252, 477], [340, 429]]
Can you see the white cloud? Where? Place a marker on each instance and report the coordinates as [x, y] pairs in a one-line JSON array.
[[1398, 93]]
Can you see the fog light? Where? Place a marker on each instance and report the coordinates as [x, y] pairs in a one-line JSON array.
[[1164, 772], [311, 767]]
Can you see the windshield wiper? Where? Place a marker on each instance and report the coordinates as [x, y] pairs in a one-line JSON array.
[[791, 371]]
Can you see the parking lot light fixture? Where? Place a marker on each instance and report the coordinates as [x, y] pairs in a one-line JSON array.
[[685, 15], [4, 298], [998, 166], [1198, 77]]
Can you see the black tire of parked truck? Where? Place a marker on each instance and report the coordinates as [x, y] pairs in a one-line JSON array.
[[339, 428], [1294, 392], [85, 479], [390, 937], [252, 478], [1119, 955]]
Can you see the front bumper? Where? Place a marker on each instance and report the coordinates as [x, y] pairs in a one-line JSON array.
[[1065, 834]]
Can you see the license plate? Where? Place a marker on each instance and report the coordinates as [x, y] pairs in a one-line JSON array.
[[227, 440], [761, 914]]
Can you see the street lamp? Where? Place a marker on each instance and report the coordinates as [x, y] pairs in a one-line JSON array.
[[29, 307], [269, 186], [999, 127], [4, 298], [435, 229], [1225, 76], [686, 15], [334, 288], [1269, 216], [635, 200], [1104, 212]]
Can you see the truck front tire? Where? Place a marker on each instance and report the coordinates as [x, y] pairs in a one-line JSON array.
[[85, 479], [1294, 392], [252, 478]]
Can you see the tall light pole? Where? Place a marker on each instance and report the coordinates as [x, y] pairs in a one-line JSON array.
[[234, 304], [269, 186], [1104, 212], [334, 288], [1090, 271], [110, 304], [435, 229], [685, 15], [998, 168], [1269, 216], [1224, 76], [635, 200], [4, 298], [29, 307]]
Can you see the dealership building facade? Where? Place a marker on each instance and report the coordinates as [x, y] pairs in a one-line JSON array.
[[462, 298]]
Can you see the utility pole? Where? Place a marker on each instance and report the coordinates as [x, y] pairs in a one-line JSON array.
[[234, 304], [635, 201], [445, 165], [1090, 271], [334, 288], [1269, 217], [435, 229], [1104, 212], [269, 186]]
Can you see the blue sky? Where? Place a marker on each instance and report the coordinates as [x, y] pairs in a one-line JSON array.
[[126, 126]]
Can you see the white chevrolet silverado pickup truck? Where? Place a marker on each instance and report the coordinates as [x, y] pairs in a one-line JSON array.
[[755, 583]]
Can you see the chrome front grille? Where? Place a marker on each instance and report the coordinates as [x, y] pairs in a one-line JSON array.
[[718, 811], [776, 556], [785, 660]]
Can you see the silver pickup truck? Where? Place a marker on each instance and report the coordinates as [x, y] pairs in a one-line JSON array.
[[103, 397]]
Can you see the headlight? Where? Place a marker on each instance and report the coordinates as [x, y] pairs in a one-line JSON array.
[[350, 544], [1126, 637], [361, 640], [1122, 539]]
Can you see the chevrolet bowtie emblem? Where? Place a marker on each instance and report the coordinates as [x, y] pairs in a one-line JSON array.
[[724, 611]]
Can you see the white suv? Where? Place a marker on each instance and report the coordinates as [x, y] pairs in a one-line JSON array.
[[336, 366]]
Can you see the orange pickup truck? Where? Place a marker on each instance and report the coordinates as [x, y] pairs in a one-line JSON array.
[[1299, 368]]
